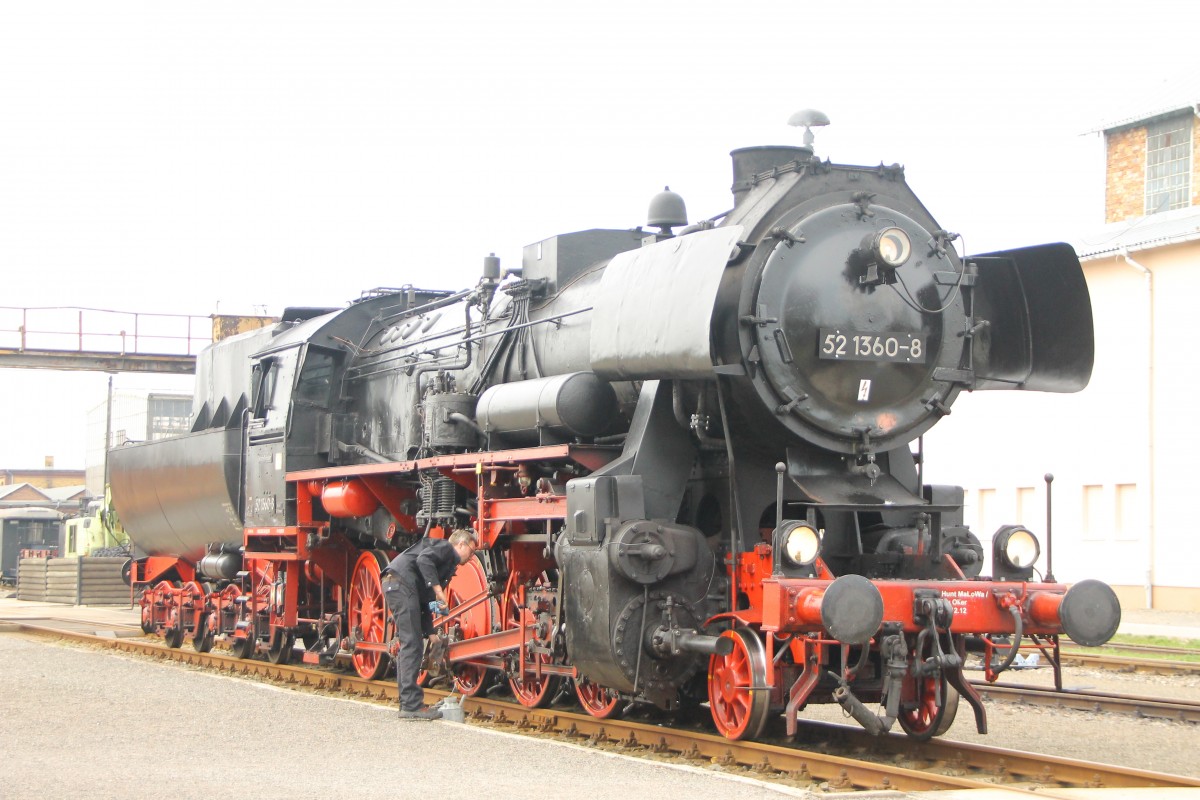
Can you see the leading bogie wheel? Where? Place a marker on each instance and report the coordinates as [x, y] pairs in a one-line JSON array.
[[737, 693], [928, 713]]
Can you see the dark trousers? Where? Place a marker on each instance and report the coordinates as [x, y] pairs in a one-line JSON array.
[[405, 604]]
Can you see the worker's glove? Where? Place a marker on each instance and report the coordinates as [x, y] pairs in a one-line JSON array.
[[438, 608]]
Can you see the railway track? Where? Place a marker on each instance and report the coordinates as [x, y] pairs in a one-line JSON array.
[[1147, 649], [102, 629], [1085, 700], [829, 757], [1146, 666]]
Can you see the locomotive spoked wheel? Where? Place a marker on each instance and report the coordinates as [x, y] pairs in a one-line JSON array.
[[737, 692], [470, 582], [528, 689], [597, 700], [280, 650], [927, 718], [368, 614]]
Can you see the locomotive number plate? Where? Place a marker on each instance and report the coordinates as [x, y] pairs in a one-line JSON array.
[[841, 345]]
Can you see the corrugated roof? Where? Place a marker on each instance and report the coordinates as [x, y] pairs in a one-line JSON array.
[[1172, 95], [1156, 230], [14, 488], [61, 493]]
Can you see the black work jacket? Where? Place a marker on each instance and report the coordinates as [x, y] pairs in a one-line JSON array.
[[428, 562]]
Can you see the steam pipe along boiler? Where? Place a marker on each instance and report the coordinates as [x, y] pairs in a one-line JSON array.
[[687, 455]]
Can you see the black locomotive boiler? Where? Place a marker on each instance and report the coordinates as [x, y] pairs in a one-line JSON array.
[[687, 453]]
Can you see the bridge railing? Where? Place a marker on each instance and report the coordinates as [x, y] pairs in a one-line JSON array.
[[98, 330]]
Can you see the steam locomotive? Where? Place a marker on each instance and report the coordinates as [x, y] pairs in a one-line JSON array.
[[687, 453]]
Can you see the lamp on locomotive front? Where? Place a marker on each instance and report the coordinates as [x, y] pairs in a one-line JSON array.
[[881, 254], [1014, 552]]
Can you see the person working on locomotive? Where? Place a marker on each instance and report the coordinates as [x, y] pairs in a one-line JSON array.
[[414, 585]]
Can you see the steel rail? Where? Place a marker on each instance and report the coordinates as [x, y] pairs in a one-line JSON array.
[[1016, 771], [1111, 647], [1147, 666], [1128, 704]]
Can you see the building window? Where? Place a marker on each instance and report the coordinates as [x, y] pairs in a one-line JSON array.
[[1129, 521], [167, 416], [1168, 164], [985, 505], [1027, 510], [1097, 520]]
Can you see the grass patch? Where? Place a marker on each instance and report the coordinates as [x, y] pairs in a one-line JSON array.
[[1156, 641], [1113, 648]]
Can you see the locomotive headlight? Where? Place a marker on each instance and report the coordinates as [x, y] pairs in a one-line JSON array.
[[801, 544], [892, 247], [1016, 547]]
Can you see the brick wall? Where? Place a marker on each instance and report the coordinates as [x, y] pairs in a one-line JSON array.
[[43, 478], [1196, 161], [1125, 171]]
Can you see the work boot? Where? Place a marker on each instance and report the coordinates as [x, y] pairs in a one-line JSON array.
[[424, 712]]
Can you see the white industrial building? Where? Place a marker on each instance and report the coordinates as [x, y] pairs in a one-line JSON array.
[[1121, 450]]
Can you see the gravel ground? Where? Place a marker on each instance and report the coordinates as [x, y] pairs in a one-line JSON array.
[[78, 723], [52, 716]]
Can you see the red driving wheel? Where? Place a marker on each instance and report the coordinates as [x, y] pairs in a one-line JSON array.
[[470, 584], [529, 689], [600, 702], [368, 615]]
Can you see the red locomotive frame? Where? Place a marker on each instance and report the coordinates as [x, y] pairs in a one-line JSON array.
[[308, 581]]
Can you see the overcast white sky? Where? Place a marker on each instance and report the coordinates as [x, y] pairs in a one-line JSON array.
[[244, 156]]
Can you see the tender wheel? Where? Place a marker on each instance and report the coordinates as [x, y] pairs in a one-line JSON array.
[[205, 635], [927, 718], [282, 642], [310, 638], [369, 618], [147, 614], [737, 693], [600, 702], [242, 647], [468, 584], [173, 635]]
